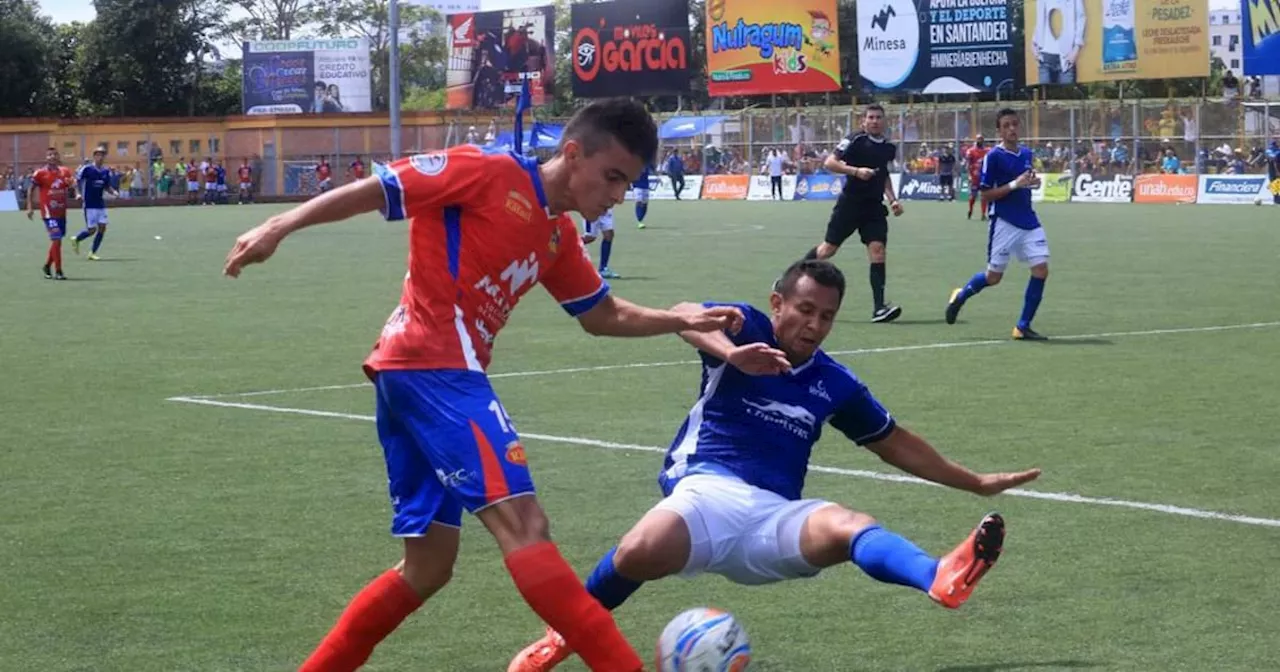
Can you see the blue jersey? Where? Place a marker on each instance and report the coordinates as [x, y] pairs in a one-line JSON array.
[[222, 174], [93, 182], [642, 182], [1001, 166], [762, 429]]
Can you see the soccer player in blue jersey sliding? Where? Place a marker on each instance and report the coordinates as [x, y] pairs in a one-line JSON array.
[[1007, 180], [95, 182], [733, 477]]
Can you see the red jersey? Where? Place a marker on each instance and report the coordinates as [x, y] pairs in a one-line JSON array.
[[322, 171], [246, 174], [193, 173], [974, 157], [480, 237], [357, 170], [211, 175], [54, 184]]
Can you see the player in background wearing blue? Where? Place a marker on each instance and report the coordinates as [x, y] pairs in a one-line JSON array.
[[95, 182], [1008, 177], [220, 173], [733, 477], [603, 229], [641, 190]]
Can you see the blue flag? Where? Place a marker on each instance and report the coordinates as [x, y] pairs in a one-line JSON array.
[[522, 104]]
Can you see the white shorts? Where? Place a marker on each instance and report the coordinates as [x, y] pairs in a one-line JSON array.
[[94, 217], [245, 186], [743, 533], [193, 186], [605, 223], [325, 185], [642, 195], [1005, 240]]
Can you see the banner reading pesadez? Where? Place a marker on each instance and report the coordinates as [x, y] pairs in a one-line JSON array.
[[306, 76]]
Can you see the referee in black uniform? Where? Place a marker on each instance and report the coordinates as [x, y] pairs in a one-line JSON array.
[[865, 157]]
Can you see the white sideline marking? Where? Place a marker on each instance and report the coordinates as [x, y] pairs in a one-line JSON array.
[[834, 353], [858, 473]]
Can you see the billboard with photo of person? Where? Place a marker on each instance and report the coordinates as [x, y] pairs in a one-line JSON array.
[[492, 53], [306, 77]]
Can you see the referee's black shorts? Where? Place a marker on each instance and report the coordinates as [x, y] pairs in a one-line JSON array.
[[869, 220]]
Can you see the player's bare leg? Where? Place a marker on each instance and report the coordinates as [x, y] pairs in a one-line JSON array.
[[377, 610], [834, 535], [658, 546], [884, 311], [552, 589]]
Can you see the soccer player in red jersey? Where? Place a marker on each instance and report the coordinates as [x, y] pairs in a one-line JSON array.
[[210, 184], [485, 228], [323, 175], [245, 173], [973, 157], [193, 184], [54, 185], [356, 170]]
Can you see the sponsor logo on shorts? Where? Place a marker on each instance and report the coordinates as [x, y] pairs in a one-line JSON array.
[[515, 454], [454, 479]]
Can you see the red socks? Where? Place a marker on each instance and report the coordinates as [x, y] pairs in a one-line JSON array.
[[54, 258], [554, 592], [374, 613]]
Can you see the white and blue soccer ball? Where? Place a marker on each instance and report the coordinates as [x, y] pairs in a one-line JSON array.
[[703, 640]]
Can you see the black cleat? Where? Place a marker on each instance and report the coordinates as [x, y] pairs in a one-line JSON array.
[[886, 313], [954, 305], [48, 274], [59, 276], [1027, 334]]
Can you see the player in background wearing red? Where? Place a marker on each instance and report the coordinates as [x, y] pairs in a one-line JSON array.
[[245, 173], [210, 183], [324, 175], [485, 228], [355, 171], [52, 186], [973, 157], [193, 184]]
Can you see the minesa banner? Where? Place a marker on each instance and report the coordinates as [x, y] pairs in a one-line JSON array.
[[630, 47], [759, 47], [934, 46]]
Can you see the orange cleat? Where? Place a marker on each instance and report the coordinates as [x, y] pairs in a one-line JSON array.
[[542, 655], [961, 570]]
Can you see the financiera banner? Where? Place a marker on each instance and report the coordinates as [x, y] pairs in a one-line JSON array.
[[297, 76], [492, 53], [934, 46], [630, 47], [759, 47], [1261, 43], [1070, 41]]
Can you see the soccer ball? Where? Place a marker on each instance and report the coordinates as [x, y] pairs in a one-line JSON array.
[[1257, 201], [703, 640]]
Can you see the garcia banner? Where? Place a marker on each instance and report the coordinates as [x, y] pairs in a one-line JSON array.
[[1261, 41], [934, 46], [630, 47], [1071, 41], [759, 47], [298, 76], [492, 53]]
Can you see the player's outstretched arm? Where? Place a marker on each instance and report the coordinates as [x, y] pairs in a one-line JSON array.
[[912, 454], [258, 244], [757, 359], [617, 317]]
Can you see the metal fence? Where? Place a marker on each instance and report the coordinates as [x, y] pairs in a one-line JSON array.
[[1205, 136]]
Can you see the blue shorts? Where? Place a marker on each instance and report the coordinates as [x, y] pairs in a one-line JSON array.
[[449, 446], [57, 228]]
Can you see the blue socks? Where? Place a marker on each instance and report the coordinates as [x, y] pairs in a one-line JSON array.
[[609, 587], [606, 248], [97, 239], [889, 558], [1031, 301], [642, 209], [976, 284], [83, 234]]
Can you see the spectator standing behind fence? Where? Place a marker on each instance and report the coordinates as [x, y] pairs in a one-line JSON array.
[[675, 170], [775, 164], [1058, 55]]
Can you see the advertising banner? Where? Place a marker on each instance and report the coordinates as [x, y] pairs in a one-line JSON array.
[[725, 187], [1115, 189], [630, 47], [492, 53], [1071, 41], [821, 187], [920, 187], [306, 76], [1165, 189], [759, 47], [1054, 188], [662, 189], [1261, 40], [449, 6], [934, 46], [761, 188], [1234, 189]]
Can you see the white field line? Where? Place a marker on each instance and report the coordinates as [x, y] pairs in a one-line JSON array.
[[834, 353], [856, 473]]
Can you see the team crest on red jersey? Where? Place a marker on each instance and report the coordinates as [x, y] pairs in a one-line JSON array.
[[430, 164], [553, 245]]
